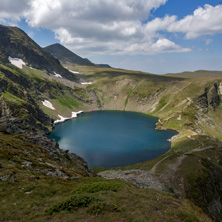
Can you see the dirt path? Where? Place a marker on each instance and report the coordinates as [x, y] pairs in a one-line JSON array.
[[153, 170]]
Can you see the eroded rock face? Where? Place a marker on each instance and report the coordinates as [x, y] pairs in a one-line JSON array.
[[209, 99], [202, 102]]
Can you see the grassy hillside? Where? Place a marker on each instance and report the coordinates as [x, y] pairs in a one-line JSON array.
[[26, 191], [30, 86]]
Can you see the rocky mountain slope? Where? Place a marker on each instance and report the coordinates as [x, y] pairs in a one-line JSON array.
[[45, 183], [15, 43]]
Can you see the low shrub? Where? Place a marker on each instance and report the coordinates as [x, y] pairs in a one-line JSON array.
[[73, 203]]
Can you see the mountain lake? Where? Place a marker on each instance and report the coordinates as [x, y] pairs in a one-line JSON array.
[[112, 138]]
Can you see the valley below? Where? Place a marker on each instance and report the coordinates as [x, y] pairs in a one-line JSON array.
[[41, 182]]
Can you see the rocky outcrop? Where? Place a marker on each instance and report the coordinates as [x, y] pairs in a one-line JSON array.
[[214, 96], [61, 157], [202, 102], [38, 156]]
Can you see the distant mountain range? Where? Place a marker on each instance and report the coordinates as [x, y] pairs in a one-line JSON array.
[[104, 65], [197, 74]]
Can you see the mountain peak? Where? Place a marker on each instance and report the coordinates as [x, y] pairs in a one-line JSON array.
[[66, 56]]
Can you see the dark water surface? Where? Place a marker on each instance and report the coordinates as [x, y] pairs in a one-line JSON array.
[[112, 138]]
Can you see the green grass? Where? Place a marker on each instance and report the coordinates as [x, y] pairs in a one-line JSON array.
[[68, 102], [96, 187]]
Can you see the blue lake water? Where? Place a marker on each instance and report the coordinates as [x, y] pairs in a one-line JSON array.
[[112, 138]]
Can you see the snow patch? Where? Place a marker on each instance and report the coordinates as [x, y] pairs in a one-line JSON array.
[[48, 104], [57, 75], [74, 114], [86, 83], [75, 72], [63, 119], [16, 62]]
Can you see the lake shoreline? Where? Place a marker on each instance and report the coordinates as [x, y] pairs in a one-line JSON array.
[[138, 118]]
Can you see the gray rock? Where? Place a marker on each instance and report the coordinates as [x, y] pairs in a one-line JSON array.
[[49, 164], [5, 177], [56, 173], [27, 164]]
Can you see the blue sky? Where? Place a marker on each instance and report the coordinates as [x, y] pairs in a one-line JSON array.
[[157, 36]]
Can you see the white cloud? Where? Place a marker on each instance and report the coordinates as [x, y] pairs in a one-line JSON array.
[[165, 45], [204, 21], [99, 26], [12, 10], [158, 24], [112, 27]]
